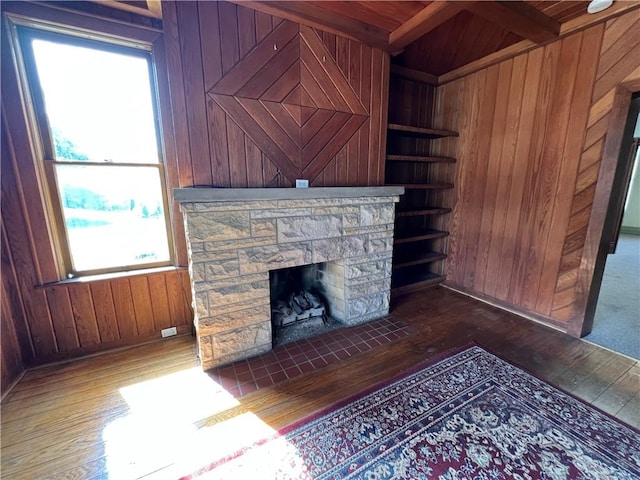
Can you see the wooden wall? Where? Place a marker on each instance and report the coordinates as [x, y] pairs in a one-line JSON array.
[[321, 118], [52, 320], [259, 101], [531, 140]]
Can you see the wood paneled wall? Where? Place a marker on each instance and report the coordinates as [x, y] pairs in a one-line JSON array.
[[52, 320], [259, 101], [529, 155], [255, 102]]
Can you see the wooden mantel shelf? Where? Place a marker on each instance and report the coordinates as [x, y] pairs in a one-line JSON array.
[[215, 194]]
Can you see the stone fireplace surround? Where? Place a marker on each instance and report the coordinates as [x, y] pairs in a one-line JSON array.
[[236, 236]]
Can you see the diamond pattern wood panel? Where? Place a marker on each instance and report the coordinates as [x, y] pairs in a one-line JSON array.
[[292, 100]]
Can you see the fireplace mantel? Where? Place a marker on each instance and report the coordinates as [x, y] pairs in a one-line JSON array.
[[236, 236], [212, 194]]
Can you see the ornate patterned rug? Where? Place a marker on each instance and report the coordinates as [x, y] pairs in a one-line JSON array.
[[471, 415]]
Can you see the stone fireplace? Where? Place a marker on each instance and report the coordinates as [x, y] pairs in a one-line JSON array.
[[237, 236]]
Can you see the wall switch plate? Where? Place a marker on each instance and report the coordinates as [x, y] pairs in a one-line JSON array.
[[169, 332], [302, 183]]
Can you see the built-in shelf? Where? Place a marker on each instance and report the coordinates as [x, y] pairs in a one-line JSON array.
[[425, 167], [401, 284], [422, 186], [419, 158], [421, 131], [401, 261], [423, 211], [416, 236]]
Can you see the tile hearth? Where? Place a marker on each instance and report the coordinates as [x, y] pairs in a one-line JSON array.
[[303, 356], [237, 236]]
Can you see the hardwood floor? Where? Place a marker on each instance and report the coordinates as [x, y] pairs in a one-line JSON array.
[[150, 412]]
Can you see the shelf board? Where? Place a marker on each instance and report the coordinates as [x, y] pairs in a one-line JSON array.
[[423, 211], [416, 236], [419, 158], [422, 186], [406, 284], [420, 259], [421, 131]]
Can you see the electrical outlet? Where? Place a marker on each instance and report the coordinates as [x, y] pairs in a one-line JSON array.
[[169, 332]]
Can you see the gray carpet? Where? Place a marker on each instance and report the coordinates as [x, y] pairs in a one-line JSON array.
[[617, 321]]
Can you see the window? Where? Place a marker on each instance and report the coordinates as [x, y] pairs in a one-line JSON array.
[[95, 110]]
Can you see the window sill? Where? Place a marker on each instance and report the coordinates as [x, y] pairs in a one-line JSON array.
[[112, 276]]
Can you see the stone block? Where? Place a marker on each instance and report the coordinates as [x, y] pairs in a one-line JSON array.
[[369, 229], [201, 304], [263, 228], [210, 226], [234, 307], [368, 288], [204, 256], [294, 229], [336, 210], [223, 245], [379, 245], [366, 318], [355, 245], [232, 357], [242, 339], [327, 249], [217, 269], [379, 214], [365, 269], [272, 257], [246, 292], [351, 220], [282, 212], [234, 320], [196, 270], [357, 307], [205, 344]]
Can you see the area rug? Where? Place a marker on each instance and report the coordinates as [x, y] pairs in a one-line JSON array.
[[471, 415]]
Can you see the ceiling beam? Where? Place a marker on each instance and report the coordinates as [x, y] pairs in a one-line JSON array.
[[313, 16], [519, 18], [430, 17]]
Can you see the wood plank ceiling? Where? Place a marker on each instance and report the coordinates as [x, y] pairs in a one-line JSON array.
[[433, 37]]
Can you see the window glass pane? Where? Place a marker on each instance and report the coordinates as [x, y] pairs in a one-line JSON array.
[[98, 103], [114, 215]]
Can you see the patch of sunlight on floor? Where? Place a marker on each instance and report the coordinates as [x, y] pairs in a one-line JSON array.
[[162, 421]]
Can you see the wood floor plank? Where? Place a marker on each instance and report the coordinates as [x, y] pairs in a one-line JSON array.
[[98, 417]]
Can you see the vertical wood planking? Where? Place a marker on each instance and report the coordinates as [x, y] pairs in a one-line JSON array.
[[105, 311], [62, 317], [537, 203], [178, 100], [84, 315], [123, 305], [194, 91], [159, 301], [142, 305]]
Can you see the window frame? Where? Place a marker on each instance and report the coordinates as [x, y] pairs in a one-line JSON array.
[[22, 31]]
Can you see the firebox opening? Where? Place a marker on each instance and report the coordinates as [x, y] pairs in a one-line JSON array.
[[300, 303]]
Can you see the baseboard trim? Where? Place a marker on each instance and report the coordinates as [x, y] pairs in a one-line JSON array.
[[547, 322], [7, 390], [630, 230]]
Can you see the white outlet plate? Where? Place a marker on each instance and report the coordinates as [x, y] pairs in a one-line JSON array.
[[302, 183], [169, 332]]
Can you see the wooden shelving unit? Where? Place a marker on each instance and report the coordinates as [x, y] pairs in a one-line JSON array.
[[421, 218]]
